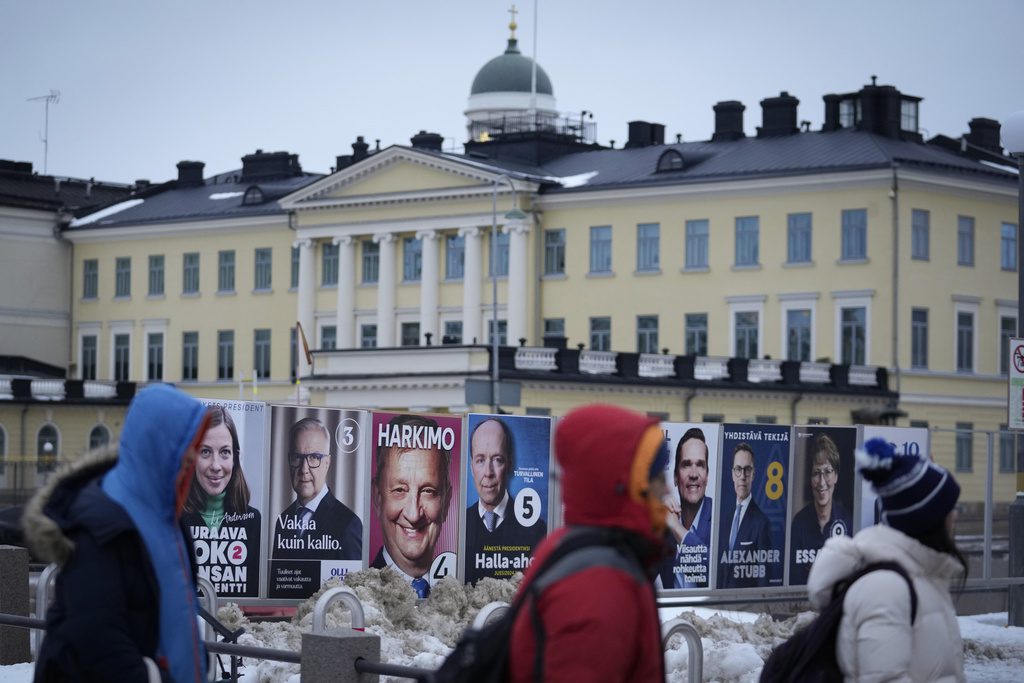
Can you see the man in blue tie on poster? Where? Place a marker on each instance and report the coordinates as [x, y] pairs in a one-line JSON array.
[[750, 531]]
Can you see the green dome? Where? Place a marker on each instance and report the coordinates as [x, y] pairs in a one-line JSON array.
[[510, 72]]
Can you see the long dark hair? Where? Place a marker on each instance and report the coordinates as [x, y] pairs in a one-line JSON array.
[[938, 538], [237, 498]]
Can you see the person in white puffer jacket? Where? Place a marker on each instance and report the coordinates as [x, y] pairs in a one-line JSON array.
[[876, 640]]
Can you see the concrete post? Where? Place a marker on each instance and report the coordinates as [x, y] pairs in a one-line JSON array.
[[330, 658], [14, 600], [1015, 599]]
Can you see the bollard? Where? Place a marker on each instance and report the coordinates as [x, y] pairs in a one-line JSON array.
[[490, 612], [14, 648], [331, 658], [695, 661], [1015, 596], [329, 597]]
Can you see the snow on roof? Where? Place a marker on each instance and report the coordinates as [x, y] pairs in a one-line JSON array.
[[1001, 167], [104, 213], [225, 195], [577, 180]]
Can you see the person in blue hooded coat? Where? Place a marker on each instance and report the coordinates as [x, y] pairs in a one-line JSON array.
[[125, 604]]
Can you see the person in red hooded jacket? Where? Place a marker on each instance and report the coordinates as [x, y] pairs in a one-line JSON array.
[[600, 622]]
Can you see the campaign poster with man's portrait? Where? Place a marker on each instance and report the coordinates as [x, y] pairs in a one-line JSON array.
[[414, 521], [508, 465], [904, 441], [752, 515], [318, 470], [692, 479], [823, 479], [222, 511]]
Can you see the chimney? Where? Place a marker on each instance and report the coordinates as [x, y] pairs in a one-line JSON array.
[[728, 121], [427, 141], [141, 184], [266, 165], [190, 173], [359, 149], [831, 113], [645, 134], [778, 116], [24, 167], [985, 134]]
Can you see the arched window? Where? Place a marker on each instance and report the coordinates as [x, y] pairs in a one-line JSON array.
[[47, 448], [670, 160], [99, 437], [253, 195]]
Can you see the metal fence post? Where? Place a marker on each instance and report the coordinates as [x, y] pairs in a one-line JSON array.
[[14, 647], [1015, 597]]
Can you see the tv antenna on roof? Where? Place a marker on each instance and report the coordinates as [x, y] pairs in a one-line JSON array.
[[52, 98]]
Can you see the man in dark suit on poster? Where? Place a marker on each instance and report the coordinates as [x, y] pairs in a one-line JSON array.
[[491, 521], [749, 544], [316, 526]]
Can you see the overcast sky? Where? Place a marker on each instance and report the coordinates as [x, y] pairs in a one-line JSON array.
[[145, 84]]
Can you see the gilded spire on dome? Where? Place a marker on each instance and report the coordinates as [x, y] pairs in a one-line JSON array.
[[513, 44]]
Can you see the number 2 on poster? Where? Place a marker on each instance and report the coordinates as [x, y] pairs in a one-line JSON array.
[[773, 487]]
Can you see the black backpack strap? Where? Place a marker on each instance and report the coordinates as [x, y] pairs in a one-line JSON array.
[[841, 587]]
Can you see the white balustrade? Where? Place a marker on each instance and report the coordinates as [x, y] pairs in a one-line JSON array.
[[814, 373], [711, 367], [656, 365], [597, 362], [863, 375], [764, 370], [536, 358]]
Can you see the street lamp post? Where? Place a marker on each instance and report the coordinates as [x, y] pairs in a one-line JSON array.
[[1013, 140], [513, 214]]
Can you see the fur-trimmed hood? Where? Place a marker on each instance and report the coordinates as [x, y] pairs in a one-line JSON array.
[[48, 514]]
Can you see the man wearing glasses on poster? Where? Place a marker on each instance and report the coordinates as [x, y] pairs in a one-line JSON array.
[[316, 525]]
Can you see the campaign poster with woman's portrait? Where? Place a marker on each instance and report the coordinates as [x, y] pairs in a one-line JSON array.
[[414, 521], [508, 465], [318, 470], [222, 510], [752, 515], [823, 479], [692, 478]]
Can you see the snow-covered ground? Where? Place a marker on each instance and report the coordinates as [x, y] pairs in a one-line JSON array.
[[735, 643]]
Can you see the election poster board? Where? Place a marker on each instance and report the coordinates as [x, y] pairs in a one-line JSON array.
[[822, 491], [692, 477], [507, 476], [414, 519], [905, 441], [755, 458], [222, 512], [317, 474]]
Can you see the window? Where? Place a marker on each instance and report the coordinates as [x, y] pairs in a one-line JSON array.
[[99, 437], [601, 249], [1007, 450], [501, 269], [190, 273], [155, 356], [908, 115], [849, 112], [712, 417], [89, 343], [853, 335], [122, 356], [410, 334], [329, 265], [554, 328], [329, 337], [647, 247], [371, 264], [647, 334], [554, 252], [123, 276], [90, 278], [226, 271], [294, 279], [855, 235], [1007, 329], [502, 332], [798, 238], [746, 324], [261, 352], [412, 259], [747, 238], [919, 338], [368, 336], [601, 334], [1008, 246], [964, 341], [225, 354], [798, 334], [452, 332], [696, 325], [697, 243], [253, 195], [263, 265], [47, 448], [454, 257], [156, 275], [964, 447], [919, 229], [965, 241], [671, 160], [189, 356]]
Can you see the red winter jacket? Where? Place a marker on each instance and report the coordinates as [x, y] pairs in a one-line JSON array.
[[600, 623]]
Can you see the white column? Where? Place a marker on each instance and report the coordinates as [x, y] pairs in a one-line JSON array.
[[307, 297], [386, 290], [429, 283], [345, 313], [471, 284], [517, 269]]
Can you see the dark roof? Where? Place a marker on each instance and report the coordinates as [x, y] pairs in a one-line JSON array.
[[23, 189], [29, 367], [510, 72], [220, 196]]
